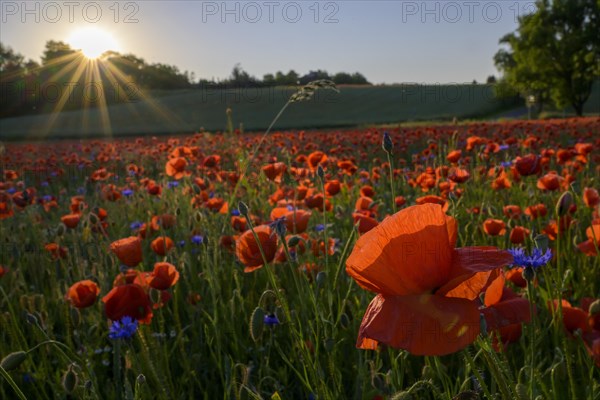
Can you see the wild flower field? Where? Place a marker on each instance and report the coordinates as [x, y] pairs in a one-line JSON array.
[[432, 262]]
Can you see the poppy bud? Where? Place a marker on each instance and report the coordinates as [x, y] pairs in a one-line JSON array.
[[294, 240], [329, 345], [88, 385], [564, 203], [178, 211], [321, 173], [69, 380], [595, 307], [402, 396], [13, 360], [141, 379], [257, 323], [344, 321], [482, 325], [541, 242], [61, 229], [93, 218], [31, 319], [528, 274], [387, 144], [243, 208], [521, 391], [321, 279]]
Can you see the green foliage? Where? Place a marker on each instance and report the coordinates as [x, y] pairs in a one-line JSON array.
[[555, 53]]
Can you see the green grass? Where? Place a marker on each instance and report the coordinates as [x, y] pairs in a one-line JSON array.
[[188, 110]]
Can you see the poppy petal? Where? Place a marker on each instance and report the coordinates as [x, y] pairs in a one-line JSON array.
[[508, 312], [467, 261], [422, 324], [407, 253]]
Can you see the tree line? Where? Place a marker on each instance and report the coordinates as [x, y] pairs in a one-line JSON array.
[[65, 80]]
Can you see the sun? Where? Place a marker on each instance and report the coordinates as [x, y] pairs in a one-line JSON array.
[[92, 42]]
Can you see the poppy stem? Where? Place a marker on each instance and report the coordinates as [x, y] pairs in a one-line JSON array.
[[391, 164], [12, 383], [117, 369], [531, 336]]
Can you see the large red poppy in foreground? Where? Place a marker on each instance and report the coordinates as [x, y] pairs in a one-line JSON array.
[[427, 289]]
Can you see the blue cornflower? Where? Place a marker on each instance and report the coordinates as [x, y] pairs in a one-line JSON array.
[[47, 198], [12, 190], [290, 207], [172, 184], [123, 329], [535, 260], [80, 190], [320, 228], [235, 212], [135, 225], [127, 192], [506, 164], [197, 239], [181, 243], [271, 320], [44, 184], [504, 147]]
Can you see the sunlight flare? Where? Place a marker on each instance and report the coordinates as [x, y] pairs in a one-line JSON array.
[[93, 42]]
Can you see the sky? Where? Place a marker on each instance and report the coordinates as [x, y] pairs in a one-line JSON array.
[[387, 41]]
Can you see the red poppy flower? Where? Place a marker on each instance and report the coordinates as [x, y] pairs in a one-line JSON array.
[[550, 181], [400, 201], [70, 220], [528, 165], [56, 251], [591, 197], [175, 167], [5, 210], [512, 211], [162, 245], [296, 221], [515, 275], [165, 221], [128, 250], [573, 317], [501, 181], [83, 293], [504, 315], [128, 301], [333, 187], [365, 223], [454, 156], [432, 199], [494, 227], [316, 158], [410, 260], [518, 234], [247, 249], [537, 210], [274, 171], [367, 191], [163, 277]]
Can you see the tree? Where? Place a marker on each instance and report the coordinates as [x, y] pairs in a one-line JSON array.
[[555, 52], [56, 50]]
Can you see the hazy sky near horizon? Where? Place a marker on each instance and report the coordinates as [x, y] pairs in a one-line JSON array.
[[387, 41]]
